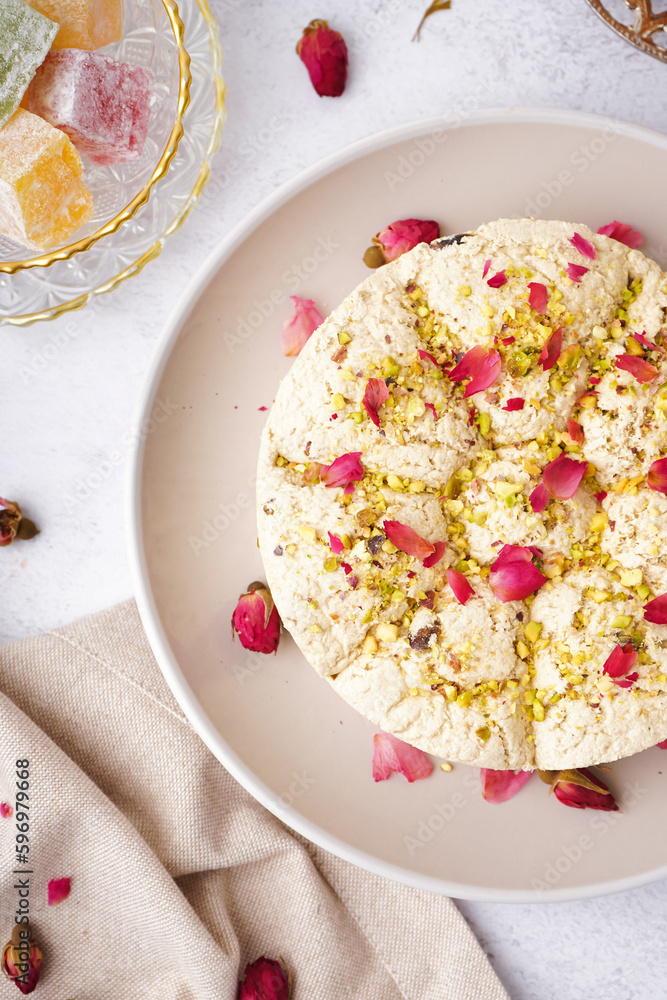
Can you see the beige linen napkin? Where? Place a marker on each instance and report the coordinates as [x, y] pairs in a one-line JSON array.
[[179, 878]]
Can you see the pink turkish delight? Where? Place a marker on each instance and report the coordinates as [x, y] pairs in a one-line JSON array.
[[103, 105]]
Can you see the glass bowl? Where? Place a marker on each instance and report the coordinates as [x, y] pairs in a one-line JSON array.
[[138, 204]]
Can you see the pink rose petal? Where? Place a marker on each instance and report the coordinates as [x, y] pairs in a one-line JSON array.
[[576, 272], [500, 786], [58, 889], [406, 234], [515, 403], [498, 280], [391, 754], [623, 233], [538, 297], [628, 681], [407, 540], [620, 660], [539, 498], [657, 476], [656, 610], [6, 810], [301, 326], [487, 265], [643, 339], [642, 370], [343, 471], [336, 544], [431, 407], [584, 247], [460, 586], [375, 395], [563, 476], [436, 556], [551, 350], [482, 366], [513, 575], [576, 431]]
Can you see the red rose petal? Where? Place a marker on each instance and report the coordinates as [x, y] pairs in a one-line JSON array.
[[460, 586], [515, 403], [500, 786], [663, 745], [391, 754], [538, 297], [425, 356], [265, 979], [642, 370], [481, 365], [539, 498], [58, 889], [436, 556], [656, 610], [578, 797], [576, 272], [487, 265], [407, 540], [508, 340], [584, 247], [431, 407], [513, 575], [5, 810], [628, 681], [336, 544], [594, 380], [620, 660], [657, 476], [600, 496], [343, 471], [375, 395], [563, 476], [551, 350], [324, 54], [299, 329], [623, 233], [576, 431], [498, 280]]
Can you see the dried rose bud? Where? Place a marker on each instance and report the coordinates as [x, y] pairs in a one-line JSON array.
[[256, 620], [265, 979], [324, 54], [580, 789], [22, 959], [13, 524], [398, 238]]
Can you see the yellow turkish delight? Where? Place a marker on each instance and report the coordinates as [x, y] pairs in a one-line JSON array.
[[84, 24], [43, 199]]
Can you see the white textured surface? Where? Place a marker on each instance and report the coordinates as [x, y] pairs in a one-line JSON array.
[[68, 388]]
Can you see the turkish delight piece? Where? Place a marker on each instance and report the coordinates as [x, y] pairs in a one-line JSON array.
[[103, 105], [43, 199], [25, 38], [84, 24]]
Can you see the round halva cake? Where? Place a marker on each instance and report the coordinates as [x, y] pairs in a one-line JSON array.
[[498, 682]]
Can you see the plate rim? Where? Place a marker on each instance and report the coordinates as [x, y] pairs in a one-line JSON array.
[[148, 611]]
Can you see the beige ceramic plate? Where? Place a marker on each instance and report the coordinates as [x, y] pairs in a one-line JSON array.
[[279, 729]]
